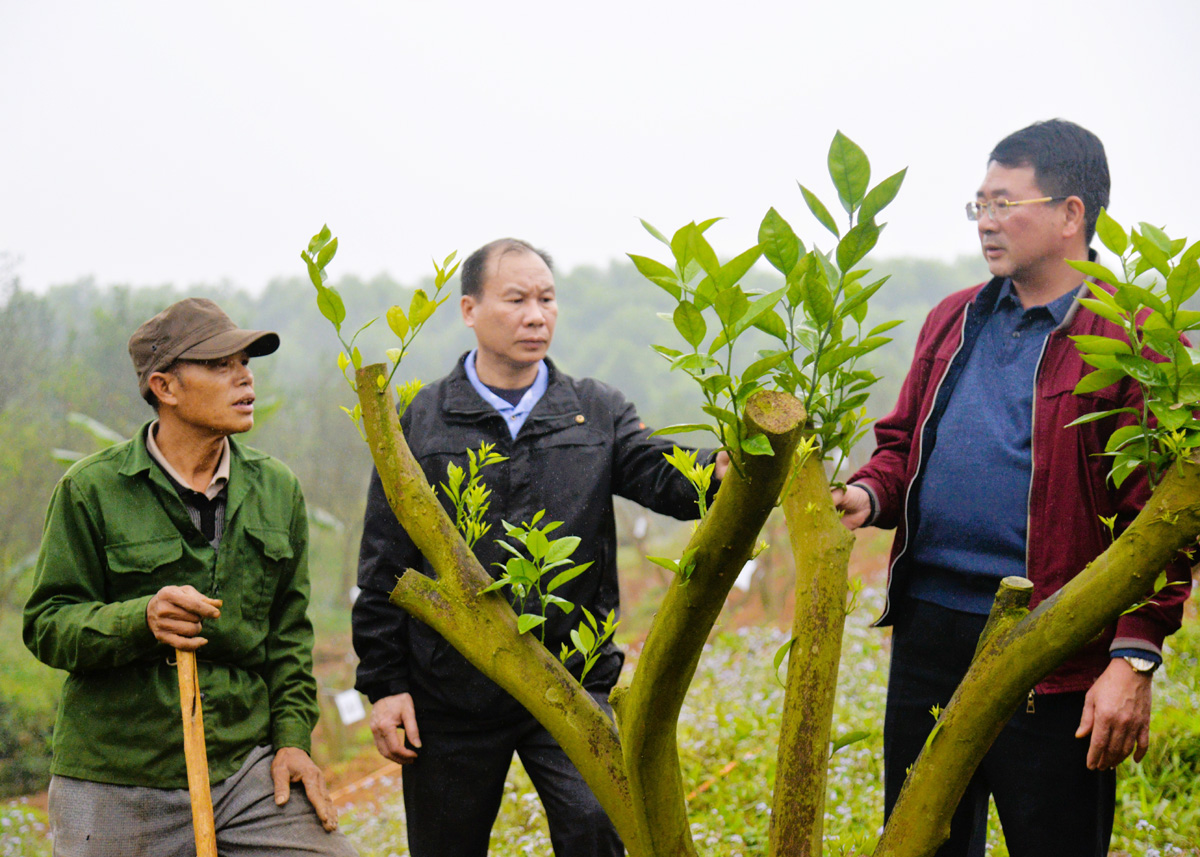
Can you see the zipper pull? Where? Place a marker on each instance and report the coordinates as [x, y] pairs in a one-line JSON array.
[[1029, 704]]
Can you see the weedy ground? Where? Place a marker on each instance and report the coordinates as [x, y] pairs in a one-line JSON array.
[[727, 737], [727, 740]]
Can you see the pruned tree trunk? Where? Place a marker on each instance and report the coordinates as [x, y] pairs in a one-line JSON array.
[[1014, 655], [649, 711], [821, 547], [484, 627]]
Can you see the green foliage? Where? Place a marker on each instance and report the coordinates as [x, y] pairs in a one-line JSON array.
[[816, 317], [683, 566], [699, 475], [1156, 806], [524, 575], [28, 702], [589, 638], [1158, 275], [405, 325], [471, 502], [25, 734]]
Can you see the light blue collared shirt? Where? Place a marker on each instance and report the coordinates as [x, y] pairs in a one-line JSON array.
[[514, 415]]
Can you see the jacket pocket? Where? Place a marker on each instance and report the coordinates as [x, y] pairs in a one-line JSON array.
[[272, 549], [143, 567], [145, 556], [275, 544]]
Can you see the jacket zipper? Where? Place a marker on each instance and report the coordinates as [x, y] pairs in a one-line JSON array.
[[1033, 447], [1033, 454]]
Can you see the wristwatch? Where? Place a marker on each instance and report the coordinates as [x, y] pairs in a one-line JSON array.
[[1144, 666]]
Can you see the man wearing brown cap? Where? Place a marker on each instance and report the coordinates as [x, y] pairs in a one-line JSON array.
[[181, 538]]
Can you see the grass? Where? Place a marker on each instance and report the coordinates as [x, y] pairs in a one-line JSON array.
[[727, 736]]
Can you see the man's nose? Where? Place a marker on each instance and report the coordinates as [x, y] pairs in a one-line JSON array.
[[535, 314]]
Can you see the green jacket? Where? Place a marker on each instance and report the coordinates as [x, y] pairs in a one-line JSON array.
[[116, 532]]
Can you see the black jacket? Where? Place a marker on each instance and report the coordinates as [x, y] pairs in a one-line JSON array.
[[581, 444]]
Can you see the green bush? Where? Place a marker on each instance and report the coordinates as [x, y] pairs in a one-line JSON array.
[[25, 734]]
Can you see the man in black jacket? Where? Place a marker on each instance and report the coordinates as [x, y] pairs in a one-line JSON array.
[[570, 446]]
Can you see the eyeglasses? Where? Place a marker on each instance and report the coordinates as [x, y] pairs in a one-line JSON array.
[[999, 209]]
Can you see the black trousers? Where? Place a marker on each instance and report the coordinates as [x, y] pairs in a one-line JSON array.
[[1049, 803], [452, 792]]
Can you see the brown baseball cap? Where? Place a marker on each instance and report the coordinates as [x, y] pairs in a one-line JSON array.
[[192, 329]]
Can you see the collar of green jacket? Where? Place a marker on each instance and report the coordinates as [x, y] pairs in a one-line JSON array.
[[136, 459]]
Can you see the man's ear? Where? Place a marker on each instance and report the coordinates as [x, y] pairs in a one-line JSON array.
[[466, 305], [162, 384], [1074, 211]]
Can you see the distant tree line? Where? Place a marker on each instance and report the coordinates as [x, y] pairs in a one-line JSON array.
[[65, 351]]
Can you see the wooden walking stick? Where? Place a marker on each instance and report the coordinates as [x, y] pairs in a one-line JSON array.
[[195, 754]]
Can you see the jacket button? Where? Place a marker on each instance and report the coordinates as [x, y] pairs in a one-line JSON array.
[[579, 418]]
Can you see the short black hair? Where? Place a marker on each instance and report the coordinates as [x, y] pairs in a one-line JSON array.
[[1067, 160], [472, 273]]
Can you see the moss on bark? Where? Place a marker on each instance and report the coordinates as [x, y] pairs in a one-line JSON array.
[[821, 547]]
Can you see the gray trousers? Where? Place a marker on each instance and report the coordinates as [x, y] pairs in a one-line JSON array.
[[89, 819]]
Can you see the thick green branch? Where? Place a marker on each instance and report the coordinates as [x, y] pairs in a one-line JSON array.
[[821, 547], [483, 627], [721, 545], [1016, 656]]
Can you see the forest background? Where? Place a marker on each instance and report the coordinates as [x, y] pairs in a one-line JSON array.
[[63, 358], [64, 352]]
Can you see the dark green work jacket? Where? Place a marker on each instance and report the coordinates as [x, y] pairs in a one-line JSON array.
[[116, 532]]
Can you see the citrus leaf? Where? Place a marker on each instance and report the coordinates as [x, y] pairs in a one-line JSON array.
[[690, 323], [849, 169], [398, 321], [847, 739], [819, 210], [858, 243], [1111, 234], [1098, 380], [757, 445], [526, 622], [779, 243], [881, 195]]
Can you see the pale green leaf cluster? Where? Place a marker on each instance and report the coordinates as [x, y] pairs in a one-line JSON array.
[[699, 475], [472, 500], [525, 571], [817, 314], [406, 325], [1158, 275], [683, 567], [589, 638]]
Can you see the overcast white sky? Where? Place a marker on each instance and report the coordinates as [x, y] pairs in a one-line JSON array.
[[149, 142]]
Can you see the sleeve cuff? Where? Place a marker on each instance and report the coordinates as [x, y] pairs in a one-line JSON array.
[[874, 502], [291, 733], [1129, 650], [379, 690]]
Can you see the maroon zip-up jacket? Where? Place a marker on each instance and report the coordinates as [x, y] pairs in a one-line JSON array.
[[1069, 490]]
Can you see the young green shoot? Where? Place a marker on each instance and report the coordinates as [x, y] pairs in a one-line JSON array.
[[471, 501]]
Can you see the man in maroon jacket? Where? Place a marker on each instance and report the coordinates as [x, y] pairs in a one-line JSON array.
[[979, 475]]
